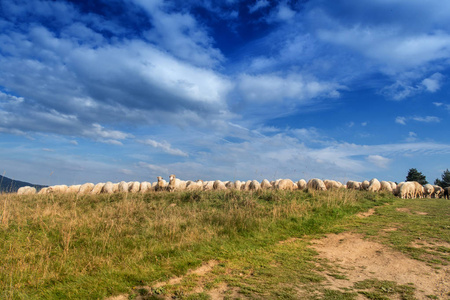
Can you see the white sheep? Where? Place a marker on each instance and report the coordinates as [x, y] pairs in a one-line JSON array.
[[332, 184], [219, 185], [208, 185], [406, 190], [365, 185], [353, 185], [385, 186], [428, 190], [26, 190], [97, 188], [145, 187], [134, 187], [418, 190], [108, 188], [374, 185], [123, 187], [254, 185], [265, 184], [57, 189], [230, 185], [161, 184], [316, 184], [175, 184], [301, 184], [85, 188], [237, 184], [43, 191], [285, 184], [73, 189], [195, 185]]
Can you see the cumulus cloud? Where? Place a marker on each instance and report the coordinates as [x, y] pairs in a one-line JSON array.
[[433, 83]]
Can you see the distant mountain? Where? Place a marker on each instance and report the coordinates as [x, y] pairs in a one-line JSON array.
[[8, 185]]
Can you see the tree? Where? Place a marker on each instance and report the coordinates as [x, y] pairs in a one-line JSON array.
[[414, 175], [445, 182]]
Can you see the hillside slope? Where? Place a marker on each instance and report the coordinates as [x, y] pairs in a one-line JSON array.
[[8, 185]]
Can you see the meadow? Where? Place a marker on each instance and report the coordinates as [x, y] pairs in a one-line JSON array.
[[131, 245]]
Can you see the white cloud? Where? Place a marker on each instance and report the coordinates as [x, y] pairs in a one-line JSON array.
[[258, 5], [400, 120], [165, 146], [427, 119], [276, 88], [154, 168], [438, 104], [433, 83], [379, 161]]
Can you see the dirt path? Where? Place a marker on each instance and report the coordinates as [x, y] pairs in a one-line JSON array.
[[359, 259]]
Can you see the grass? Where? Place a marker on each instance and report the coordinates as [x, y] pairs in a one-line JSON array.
[[92, 247], [68, 246]]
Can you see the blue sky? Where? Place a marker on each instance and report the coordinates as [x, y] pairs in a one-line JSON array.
[[133, 89]]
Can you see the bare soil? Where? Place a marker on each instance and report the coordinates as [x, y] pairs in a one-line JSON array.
[[359, 259]]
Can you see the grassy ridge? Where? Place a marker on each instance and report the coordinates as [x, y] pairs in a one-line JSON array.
[[67, 246]]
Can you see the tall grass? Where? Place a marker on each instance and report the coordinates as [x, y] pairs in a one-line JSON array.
[[69, 246]]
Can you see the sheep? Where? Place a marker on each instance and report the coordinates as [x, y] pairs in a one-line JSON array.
[[365, 185], [26, 190], [246, 185], [354, 185], [145, 187], [73, 189], [195, 185], [219, 185], [393, 186], [85, 188], [447, 193], [237, 184], [374, 185], [438, 191], [316, 184], [161, 185], [57, 189], [285, 184], [385, 186], [428, 190], [97, 188], [123, 187], [116, 187], [134, 187], [230, 185], [43, 191], [418, 190], [396, 192], [254, 185], [407, 190], [175, 184], [301, 184], [208, 185], [332, 184], [108, 188], [265, 185]]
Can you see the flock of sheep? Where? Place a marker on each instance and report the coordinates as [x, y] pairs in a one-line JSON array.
[[410, 189]]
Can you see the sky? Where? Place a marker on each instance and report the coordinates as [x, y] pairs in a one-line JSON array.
[[112, 90]]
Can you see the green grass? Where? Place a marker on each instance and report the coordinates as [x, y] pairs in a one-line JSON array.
[[67, 246], [92, 247]]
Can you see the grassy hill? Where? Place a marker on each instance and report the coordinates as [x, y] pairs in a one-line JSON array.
[[8, 185], [245, 245]]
